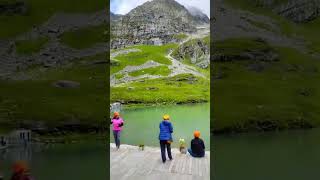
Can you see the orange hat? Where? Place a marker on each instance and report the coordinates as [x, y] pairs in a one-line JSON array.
[[196, 134], [20, 167], [166, 117], [116, 114]]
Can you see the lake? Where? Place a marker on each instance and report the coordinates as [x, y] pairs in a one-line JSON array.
[[81, 161], [293, 155], [142, 123]]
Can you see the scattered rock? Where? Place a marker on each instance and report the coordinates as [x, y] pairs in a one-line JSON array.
[[101, 62], [18, 7], [114, 63], [258, 55], [257, 67], [66, 84], [152, 88]]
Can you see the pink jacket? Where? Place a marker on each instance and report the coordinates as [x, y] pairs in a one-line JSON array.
[[116, 124]]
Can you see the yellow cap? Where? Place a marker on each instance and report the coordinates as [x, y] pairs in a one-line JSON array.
[[166, 117]]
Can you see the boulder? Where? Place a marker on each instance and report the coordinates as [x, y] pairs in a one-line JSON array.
[[66, 84]]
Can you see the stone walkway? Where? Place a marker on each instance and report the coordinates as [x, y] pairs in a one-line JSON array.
[[130, 163]]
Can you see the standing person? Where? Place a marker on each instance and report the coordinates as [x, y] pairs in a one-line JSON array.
[[165, 137], [197, 146], [21, 171], [117, 123]]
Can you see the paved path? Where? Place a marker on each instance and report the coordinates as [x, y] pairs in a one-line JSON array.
[[130, 163]]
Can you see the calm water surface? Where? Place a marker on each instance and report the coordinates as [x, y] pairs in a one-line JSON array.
[[142, 124], [60, 162], [290, 155]]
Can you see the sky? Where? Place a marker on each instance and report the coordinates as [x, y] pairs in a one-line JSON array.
[[124, 6]]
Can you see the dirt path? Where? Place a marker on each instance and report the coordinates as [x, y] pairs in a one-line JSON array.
[[176, 66]]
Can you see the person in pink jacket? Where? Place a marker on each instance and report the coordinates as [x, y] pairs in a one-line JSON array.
[[117, 123]]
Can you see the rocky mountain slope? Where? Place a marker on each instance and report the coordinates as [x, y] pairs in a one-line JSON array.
[[271, 59], [49, 58], [298, 11], [157, 48], [154, 22]]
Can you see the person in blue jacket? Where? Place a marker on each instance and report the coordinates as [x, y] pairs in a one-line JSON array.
[[165, 137]]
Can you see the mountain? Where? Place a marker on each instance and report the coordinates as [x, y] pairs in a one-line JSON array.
[[154, 22], [298, 11], [268, 50], [198, 15], [114, 17]]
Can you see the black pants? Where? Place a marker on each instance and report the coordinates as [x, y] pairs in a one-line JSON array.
[[116, 135], [163, 145]]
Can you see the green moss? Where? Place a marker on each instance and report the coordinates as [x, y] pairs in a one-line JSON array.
[[155, 53], [85, 37], [30, 46], [40, 10], [183, 88], [160, 70]]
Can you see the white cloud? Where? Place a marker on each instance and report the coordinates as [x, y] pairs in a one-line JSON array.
[[124, 6]]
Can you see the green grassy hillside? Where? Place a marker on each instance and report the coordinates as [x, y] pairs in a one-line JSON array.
[[177, 89], [39, 100], [39, 11]]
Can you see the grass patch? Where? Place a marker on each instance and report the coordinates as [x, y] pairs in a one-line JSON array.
[[260, 25], [160, 70], [284, 94], [231, 47], [30, 46], [84, 37], [287, 27], [40, 10], [39, 100], [119, 76], [155, 53], [184, 88], [310, 32], [180, 36]]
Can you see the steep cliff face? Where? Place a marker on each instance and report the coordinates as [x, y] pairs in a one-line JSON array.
[[154, 22], [195, 51]]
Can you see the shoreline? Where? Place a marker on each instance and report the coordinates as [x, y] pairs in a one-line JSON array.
[[146, 148], [234, 131], [135, 105]]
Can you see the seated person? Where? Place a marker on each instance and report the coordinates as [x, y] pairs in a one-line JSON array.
[[197, 146]]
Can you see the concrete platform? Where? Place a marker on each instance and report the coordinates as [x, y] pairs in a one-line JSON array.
[[130, 163]]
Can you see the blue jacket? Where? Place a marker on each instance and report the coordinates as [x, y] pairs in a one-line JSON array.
[[165, 130]]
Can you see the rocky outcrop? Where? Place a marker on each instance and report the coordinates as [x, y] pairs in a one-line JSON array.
[[197, 51], [257, 55], [154, 22], [66, 84], [114, 17], [198, 15], [298, 11], [13, 8]]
